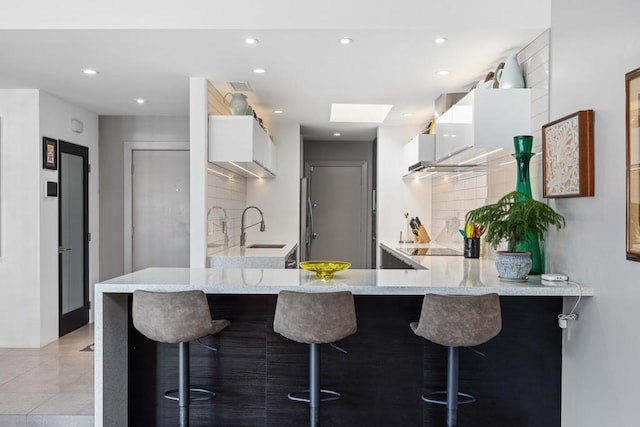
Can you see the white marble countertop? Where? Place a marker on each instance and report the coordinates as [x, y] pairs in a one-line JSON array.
[[246, 257], [448, 275]]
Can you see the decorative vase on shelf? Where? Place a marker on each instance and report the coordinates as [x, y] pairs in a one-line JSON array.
[[238, 104], [510, 76], [523, 155]]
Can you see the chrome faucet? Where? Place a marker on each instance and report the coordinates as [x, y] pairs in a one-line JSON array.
[[223, 222], [243, 235]]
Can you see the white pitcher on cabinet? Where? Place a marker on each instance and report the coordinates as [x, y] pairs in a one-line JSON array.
[[510, 76]]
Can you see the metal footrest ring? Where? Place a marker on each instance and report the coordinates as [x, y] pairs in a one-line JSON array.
[[466, 398], [332, 395], [201, 394]]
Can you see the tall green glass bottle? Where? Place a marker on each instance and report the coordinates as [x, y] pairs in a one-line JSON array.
[[523, 155]]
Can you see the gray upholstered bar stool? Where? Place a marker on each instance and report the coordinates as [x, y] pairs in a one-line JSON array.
[[314, 319], [457, 321], [177, 317]]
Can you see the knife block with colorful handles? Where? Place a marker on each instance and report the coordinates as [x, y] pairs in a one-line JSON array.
[[423, 236]]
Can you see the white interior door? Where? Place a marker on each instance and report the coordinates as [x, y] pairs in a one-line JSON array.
[[337, 191], [160, 208]]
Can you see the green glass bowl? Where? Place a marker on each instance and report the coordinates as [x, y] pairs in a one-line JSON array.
[[325, 269]]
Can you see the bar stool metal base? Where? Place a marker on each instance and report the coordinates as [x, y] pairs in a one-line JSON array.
[[467, 398], [314, 392], [195, 394], [332, 395], [452, 394]]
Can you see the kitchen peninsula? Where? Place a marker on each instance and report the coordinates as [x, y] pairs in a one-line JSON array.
[[382, 377]]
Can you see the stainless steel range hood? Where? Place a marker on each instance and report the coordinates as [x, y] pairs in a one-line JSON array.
[[419, 158], [425, 166]]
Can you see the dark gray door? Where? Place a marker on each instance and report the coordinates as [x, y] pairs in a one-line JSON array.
[[73, 237], [338, 199]]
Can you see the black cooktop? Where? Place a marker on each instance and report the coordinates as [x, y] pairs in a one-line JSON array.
[[430, 251]]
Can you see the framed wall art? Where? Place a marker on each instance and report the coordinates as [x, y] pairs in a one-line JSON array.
[[567, 156], [49, 153], [632, 83]]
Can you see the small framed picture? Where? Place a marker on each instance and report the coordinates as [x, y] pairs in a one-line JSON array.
[[49, 153], [567, 156], [632, 80]]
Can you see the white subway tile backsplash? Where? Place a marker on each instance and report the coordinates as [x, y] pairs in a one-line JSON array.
[[230, 195], [470, 194], [540, 106], [539, 120], [538, 77], [538, 43], [537, 59], [481, 192]]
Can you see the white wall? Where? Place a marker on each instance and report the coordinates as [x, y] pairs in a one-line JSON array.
[[593, 45], [55, 122], [279, 198], [395, 195], [198, 161], [20, 156], [29, 238]]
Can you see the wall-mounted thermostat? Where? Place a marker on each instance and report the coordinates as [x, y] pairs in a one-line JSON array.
[[50, 189]]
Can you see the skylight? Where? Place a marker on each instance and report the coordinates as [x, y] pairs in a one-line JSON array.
[[359, 113]]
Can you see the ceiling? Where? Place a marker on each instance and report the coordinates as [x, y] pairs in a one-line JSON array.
[[307, 69]]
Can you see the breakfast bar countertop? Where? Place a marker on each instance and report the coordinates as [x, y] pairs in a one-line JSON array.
[[447, 275]]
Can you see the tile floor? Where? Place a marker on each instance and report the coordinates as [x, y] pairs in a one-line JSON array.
[[50, 386]]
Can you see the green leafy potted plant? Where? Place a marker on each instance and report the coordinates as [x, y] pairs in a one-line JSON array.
[[515, 218]]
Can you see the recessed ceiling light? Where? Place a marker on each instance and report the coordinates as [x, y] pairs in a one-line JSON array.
[[359, 113], [259, 70], [346, 40], [278, 111], [408, 114], [251, 40], [90, 72], [440, 40], [442, 73], [140, 101], [337, 134]]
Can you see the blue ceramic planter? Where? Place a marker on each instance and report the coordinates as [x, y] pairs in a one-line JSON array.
[[513, 265]]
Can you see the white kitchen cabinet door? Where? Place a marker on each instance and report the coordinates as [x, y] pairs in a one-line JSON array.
[[482, 121]]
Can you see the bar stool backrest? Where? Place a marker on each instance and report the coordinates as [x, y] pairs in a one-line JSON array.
[[171, 317], [460, 321], [315, 317]]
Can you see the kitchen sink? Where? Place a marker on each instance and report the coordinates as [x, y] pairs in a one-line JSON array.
[[266, 246]]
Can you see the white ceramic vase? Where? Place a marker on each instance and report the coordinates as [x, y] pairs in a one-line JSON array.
[[238, 104], [511, 76]]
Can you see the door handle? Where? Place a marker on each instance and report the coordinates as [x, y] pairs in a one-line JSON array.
[[310, 230], [62, 250], [314, 235]]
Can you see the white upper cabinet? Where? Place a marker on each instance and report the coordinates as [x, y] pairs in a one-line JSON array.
[[239, 143], [421, 148], [483, 121]]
